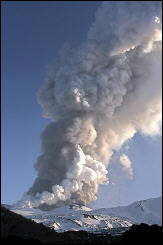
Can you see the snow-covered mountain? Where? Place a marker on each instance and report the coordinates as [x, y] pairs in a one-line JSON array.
[[113, 220]]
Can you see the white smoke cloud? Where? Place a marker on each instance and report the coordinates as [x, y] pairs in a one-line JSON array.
[[98, 94], [127, 165]]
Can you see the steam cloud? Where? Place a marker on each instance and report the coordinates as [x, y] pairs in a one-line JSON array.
[[98, 94], [127, 165]]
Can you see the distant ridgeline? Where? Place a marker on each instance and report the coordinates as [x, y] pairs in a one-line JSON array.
[[16, 228]]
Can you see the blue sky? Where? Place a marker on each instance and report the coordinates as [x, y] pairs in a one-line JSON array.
[[32, 35]]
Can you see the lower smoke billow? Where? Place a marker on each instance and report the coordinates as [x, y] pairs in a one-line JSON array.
[[98, 94]]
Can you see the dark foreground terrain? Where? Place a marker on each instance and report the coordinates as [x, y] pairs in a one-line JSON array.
[[16, 228]]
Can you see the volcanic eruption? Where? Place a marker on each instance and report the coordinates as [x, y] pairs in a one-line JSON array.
[[98, 94]]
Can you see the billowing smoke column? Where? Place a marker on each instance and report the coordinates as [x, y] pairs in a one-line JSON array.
[[98, 94]]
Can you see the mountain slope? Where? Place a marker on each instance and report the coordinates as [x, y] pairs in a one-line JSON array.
[[112, 220], [18, 229], [13, 224], [146, 211]]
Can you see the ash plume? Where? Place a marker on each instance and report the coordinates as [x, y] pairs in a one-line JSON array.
[[98, 94]]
